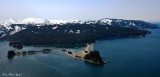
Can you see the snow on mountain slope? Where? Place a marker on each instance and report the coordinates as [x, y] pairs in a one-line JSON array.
[[9, 22], [58, 21], [32, 21], [105, 21], [65, 21], [90, 22], [10, 26], [16, 29]]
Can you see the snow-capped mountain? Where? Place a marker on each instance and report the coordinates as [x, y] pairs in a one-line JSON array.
[[105, 21], [10, 21], [32, 21], [12, 26], [126, 23], [71, 34]]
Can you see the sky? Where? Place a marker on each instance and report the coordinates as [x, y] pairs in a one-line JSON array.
[[147, 10]]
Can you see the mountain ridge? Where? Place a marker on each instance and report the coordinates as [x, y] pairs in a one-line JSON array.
[[56, 30], [31, 20]]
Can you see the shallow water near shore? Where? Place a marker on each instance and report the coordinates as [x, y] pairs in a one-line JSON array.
[[129, 57]]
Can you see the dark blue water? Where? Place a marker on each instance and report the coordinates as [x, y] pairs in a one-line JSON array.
[[129, 57]]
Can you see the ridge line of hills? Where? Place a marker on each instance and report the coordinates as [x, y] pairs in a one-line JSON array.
[[70, 32]]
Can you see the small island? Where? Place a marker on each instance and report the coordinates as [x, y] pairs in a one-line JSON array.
[[87, 54]]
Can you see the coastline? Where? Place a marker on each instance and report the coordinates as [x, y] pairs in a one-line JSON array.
[[77, 55]]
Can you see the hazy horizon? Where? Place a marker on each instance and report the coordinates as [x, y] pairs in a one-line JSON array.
[[147, 10]]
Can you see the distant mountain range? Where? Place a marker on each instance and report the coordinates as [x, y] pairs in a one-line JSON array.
[[105, 21], [42, 31]]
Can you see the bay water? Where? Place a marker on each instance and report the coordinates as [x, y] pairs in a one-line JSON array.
[[128, 57]]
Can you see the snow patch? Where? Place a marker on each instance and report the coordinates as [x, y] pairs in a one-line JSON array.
[[106, 27], [8, 28], [3, 35], [55, 27], [65, 31], [1, 31], [130, 23], [38, 25], [106, 21], [78, 31], [134, 24], [17, 29], [36, 33], [71, 31]]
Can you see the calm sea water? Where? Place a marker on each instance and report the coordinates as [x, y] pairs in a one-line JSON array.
[[129, 57]]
